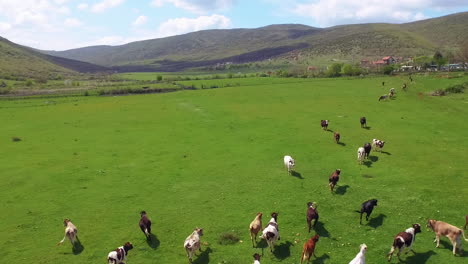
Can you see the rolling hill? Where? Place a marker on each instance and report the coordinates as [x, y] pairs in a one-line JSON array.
[[209, 47]]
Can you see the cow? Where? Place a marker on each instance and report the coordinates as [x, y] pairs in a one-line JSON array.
[[336, 136], [383, 97], [271, 231], [404, 87], [333, 179], [392, 92], [119, 255], [361, 256], [452, 232], [361, 154], [309, 248], [378, 144], [363, 122], [367, 150], [311, 214], [466, 222], [255, 227], [367, 208], [404, 240], [383, 83], [145, 224], [192, 243], [256, 257], [70, 232], [324, 124], [289, 163]]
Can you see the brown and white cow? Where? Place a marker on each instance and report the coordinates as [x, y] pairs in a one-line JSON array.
[[336, 137], [324, 124], [444, 229], [309, 248], [256, 257], [404, 240], [119, 255], [311, 214], [192, 243], [378, 144], [70, 232], [271, 231], [333, 179], [255, 227], [145, 224]]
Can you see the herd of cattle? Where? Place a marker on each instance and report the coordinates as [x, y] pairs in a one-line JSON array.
[[271, 234]]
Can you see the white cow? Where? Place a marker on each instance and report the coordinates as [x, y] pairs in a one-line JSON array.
[[70, 231], [271, 232], [192, 243], [361, 153], [289, 163], [361, 256], [377, 144]]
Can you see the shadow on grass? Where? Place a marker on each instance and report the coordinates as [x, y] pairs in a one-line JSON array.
[[341, 144], [283, 250], [321, 230], [342, 189], [153, 241], [204, 257], [376, 221], [321, 259], [447, 245], [386, 153], [373, 158], [262, 244], [296, 174], [419, 257], [329, 130], [367, 127], [78, 247], [367, 163]]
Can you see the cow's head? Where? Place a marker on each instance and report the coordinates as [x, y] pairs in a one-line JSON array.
[[292, 162], [274, 215], [128, 246], [431, 223], [417, 228], [363, 248], [199, 231], [142, 213], [66, 221], [315, 238], [256, 256], [338, 171], [373, 202], [259, 215]]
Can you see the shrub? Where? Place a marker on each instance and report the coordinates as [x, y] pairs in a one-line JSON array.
[[228, 238], [387, 69], [86, 93], [159, 78], [29, 83], [457, 88]]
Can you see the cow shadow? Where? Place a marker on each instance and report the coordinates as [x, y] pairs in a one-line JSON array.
[[367, 163], [297, 175], [367, 127], [447, 245], [153, 241], [320, 260], [283, 250], [321, 230], [341, 144], [376, 221], [386, 153], [204, 257], [342, 189], [419, 257], [373, 158]]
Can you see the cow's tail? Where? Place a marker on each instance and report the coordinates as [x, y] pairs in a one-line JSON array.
[[463, 233]]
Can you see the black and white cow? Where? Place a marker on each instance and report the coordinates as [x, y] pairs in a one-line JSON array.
[[120, 254], [324, 124], [363, 121], [271, 231], [377, 144], [404, 240]]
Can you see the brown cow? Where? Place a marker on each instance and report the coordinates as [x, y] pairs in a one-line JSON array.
[[312, 214], [452, 232], [336, 136], [255, 227], [334, 178], [309, 248]]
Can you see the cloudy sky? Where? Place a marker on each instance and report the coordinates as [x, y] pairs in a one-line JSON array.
[[67, 24]]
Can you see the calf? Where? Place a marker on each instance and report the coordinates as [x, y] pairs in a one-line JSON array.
[[309, 248], [192, 243], [145, 224], [361, 154], [70, 232], [311, 214], [367, 150], [392, 92], [404, 86], [334, 178], [383, 97], [120, 254], [256, 257], [378, 144], [367, 208], [361, 256], [363, 122], [336, 136], [466, 222], [324, 124], [271, 232], [289, 163], [255, 227], [404, 240], [452, 232]]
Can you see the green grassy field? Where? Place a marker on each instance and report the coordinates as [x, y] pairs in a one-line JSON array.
[[213, 159]]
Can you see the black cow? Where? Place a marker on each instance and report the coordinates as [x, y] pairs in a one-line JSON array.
[[367, 208]]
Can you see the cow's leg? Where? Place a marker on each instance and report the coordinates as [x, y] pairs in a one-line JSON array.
[[309, 223], [437, 240], [390, 254]]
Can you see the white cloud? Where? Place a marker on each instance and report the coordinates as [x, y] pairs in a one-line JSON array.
[[4, 27], [196, 6], [82, 6], [105, 4], [141, 20], [73, 22], [178, 26]]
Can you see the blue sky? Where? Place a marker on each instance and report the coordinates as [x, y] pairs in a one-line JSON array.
[[66, 24]]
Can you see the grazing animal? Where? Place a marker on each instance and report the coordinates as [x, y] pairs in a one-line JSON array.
[[324, 124], [255, 227], [70, 232], [452, 232], [404, 240], [145, 224], [192, 243], [367, 208], [383, 83], [256, 257], [361, 256], [363, 122], [466, 222], [309, 248], [336, 136], [289, 163], [378, 144], [334, 178], [404, 86], [271, 232], [360, 154], [312, 214], [392, 92], [383, 97], [119, 255], [367, 149]]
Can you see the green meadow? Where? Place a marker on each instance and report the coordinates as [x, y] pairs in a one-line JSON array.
[[213, 158]]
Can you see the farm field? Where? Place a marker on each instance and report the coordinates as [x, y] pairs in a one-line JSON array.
[[213, 158]]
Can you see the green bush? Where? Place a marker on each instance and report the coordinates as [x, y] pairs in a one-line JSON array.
[[457, 88]]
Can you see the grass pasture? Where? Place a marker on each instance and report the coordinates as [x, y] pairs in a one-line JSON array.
[[213, 158]]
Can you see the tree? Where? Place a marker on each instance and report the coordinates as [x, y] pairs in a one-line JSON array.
[[334, 70], [439, 59], [348, 69], [388, 69]]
